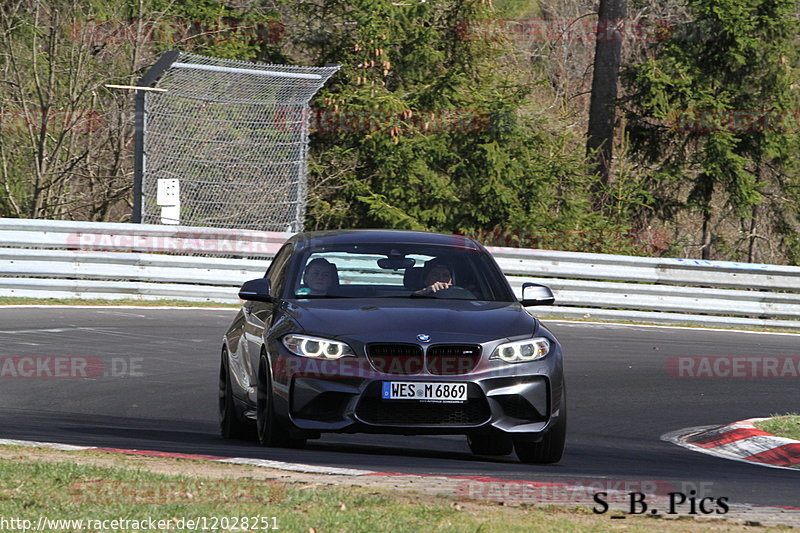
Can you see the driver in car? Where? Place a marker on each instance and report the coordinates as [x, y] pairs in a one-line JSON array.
[[438, 275], [320, 276]]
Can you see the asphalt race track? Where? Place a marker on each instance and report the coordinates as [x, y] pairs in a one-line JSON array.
[[161, 391]]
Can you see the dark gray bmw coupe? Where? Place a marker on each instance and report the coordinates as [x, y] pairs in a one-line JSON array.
[[410, 333]]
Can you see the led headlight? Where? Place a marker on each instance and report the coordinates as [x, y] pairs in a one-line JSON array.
[[522, 351], [306, 346]]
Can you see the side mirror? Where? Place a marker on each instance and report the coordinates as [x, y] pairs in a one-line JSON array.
[[535, 294], [256, 290]]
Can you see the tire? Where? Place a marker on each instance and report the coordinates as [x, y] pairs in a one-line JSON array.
[[493, 443], [551, 448], [271, 432], [230, 427]]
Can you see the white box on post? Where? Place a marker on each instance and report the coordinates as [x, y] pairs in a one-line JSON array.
[[168, 197]]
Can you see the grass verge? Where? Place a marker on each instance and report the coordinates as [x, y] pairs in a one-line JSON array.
[[68, 486], [787, 426]]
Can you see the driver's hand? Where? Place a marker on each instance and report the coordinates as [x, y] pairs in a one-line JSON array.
[[439, 285]]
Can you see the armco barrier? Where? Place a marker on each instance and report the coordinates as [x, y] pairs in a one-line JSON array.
[[63, 259], [58, 259], [86, 236]]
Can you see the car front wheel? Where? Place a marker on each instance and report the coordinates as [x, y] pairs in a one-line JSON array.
[[230, 427], [271, 432], [551, 448]]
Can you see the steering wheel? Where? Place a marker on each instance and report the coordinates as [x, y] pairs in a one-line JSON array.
[[455, 292]]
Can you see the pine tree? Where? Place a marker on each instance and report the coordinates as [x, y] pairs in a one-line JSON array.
[[709, 109]]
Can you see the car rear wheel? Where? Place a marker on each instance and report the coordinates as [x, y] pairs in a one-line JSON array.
[[492, 443], [551, 448], [230, 427], [271, 432]]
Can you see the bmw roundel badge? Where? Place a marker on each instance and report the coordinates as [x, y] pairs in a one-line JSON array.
[[423, 337]]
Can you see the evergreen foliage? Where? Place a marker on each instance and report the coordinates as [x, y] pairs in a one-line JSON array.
[[713, 107], [446, 147], [431, 125]]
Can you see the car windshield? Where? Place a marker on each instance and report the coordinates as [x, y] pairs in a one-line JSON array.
[[388, 270]]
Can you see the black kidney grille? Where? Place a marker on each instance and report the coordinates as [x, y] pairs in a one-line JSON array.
[[452, 359], [396, 358]]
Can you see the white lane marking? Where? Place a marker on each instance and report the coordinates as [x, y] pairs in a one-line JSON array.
[[263, 463], [296, 467], [50, 330], [54, 445], [120, 313], [677, 436], [692, 328]]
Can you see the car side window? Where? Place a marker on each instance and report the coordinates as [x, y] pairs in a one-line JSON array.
[[277, 270]]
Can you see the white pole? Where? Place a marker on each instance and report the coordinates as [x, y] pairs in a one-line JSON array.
[[135, 88], [232, 70]]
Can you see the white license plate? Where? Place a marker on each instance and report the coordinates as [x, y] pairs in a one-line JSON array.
[[412, 390]]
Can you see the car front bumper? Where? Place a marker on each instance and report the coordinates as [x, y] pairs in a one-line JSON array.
[[344, 396]]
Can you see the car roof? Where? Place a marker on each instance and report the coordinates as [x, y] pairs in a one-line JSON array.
[[375, 236]]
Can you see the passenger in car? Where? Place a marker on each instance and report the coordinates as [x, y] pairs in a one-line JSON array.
[[320, 276]]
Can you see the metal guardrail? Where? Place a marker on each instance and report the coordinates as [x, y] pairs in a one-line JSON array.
[[91, 236], [58, 259], [64, 259]]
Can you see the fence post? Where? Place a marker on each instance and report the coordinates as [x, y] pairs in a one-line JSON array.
[[140, 126]]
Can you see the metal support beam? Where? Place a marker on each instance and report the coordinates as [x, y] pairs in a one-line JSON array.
[[147, 80]]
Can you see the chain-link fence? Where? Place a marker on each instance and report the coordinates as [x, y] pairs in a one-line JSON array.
[[235, 135]]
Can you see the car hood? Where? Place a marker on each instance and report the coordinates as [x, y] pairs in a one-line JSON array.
[[401, 320]]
